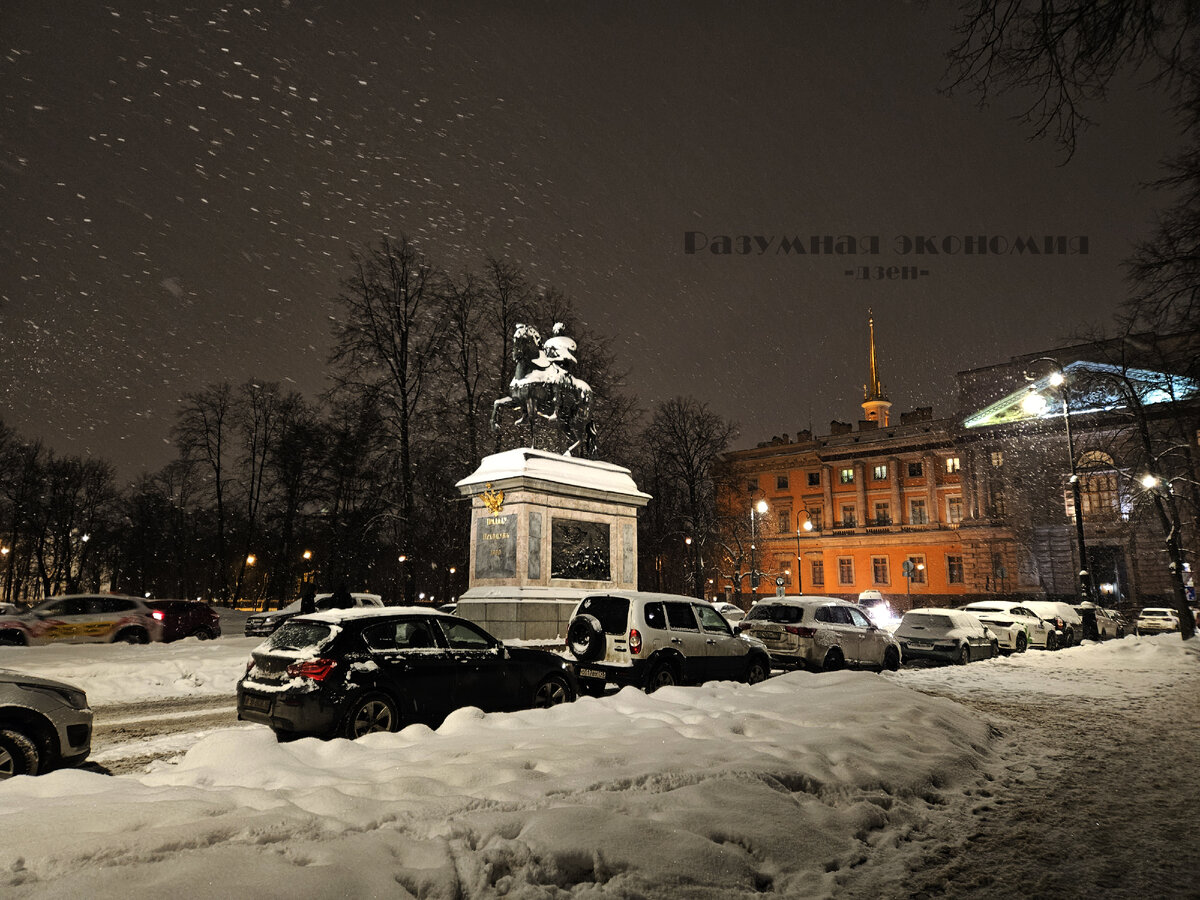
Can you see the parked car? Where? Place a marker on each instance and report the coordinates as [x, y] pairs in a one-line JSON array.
[[1157, 620], [731, 611], [10, 609], [1016, 626], [821, 634], [448, 608], [654, 640], [350, 672], [878, 609], [186, 618], [1124, 624], [946, 635], [264, 624], [83, 618], [1107, 627], [44, 724], [1065, 618]]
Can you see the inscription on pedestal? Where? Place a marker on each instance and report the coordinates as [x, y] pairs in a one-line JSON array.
[[496, 546], [535, 546]]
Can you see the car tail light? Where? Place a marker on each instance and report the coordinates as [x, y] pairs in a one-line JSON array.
[[313, 669], [800, 630], [635, 641], [158, 614]]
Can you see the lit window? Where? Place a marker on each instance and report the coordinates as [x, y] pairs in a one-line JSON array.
[[781, 482], [918, 569], [879, 569], [954, 509], [846, 476], [997, 458], [845, 570], [954, 569], [952, 464], [880, 473], [917, 513], [915, 470]]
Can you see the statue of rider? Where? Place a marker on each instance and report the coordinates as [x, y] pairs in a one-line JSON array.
[[560, 349]]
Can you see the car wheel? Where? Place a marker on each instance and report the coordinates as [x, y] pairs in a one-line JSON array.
[[12, 640], [662, 675], [551, 692], [1069, 638], [1022, 643], [891, 659], [202, 633], [133, 636], [1051, 641], [964, 655], [758, 670], [369, 714], [585, 638], [18, 755], [833, 660]]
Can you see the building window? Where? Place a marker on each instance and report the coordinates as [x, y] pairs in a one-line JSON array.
[[997, 458], [784, 518], [848, 517], [845, 570], [916, 469], [954, 509], [814, 516], [917, 514], [952, 464], [814, 479], [999, 505], [818, 572], [883, 514], [751, 485], [879, 569], [846, 476], [879, 473], [783, 565], [954, 570], [781, 482], [918, 569]]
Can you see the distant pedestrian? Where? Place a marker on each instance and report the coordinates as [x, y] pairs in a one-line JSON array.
[[308, 600], [341, 598]]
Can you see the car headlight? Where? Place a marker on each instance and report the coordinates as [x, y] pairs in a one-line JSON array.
[[73, 698]]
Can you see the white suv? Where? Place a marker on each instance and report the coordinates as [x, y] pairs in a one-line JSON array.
[[654, 640], [1157, 620], [820, 633]]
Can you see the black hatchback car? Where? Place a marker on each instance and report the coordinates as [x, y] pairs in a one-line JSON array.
[[350, 672]]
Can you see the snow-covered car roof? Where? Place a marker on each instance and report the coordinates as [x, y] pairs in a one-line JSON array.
[[337, 616]]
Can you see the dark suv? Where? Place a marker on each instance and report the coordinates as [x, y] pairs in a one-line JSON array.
[[350, 672], [654, 640], [186, 618]]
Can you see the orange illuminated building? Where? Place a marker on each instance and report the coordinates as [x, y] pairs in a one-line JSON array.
[[846, 511]]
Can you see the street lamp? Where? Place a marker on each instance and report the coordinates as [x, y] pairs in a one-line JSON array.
[[761, 507], [1035, 404], [807, 527]]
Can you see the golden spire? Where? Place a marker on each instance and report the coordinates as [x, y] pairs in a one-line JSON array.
[[875, 401]]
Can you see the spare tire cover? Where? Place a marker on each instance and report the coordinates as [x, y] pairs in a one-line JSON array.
[[585, 638]]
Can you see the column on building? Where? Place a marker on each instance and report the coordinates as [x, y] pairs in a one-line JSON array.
[[829, 517], [897, 500], [931, 494], [860, 492]]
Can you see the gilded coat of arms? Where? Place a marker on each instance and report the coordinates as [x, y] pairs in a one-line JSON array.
[[493, 500]]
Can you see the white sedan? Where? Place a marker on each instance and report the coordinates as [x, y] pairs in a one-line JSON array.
[[1017, 627], [731, 611]]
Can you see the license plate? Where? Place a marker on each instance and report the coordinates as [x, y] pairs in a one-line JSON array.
[[253, 701], [920, 645], [585, 672]]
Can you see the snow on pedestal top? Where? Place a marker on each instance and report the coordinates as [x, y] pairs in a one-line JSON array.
[[542, 465]]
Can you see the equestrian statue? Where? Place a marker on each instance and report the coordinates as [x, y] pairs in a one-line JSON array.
[[543, 387]]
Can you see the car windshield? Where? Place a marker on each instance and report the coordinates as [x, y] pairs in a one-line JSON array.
[[984, 609], [1156, 613], [295, 635], [776, 612], [925, 620], [611, 612]]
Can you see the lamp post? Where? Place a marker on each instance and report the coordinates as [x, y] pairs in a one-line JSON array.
[[806, 527], [4, 551], [761, 507], [1035, 404]]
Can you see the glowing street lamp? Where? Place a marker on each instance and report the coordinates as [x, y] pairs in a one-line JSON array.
[[251, 559], [1035, 404]]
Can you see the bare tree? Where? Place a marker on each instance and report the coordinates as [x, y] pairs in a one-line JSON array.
[[685, 438]]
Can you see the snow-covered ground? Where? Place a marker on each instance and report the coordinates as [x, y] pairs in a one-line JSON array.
[[805, 786]]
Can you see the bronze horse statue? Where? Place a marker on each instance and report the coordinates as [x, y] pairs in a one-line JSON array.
[[541, 387]]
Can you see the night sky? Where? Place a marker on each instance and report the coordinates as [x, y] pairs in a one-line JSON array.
[[181, 186]]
